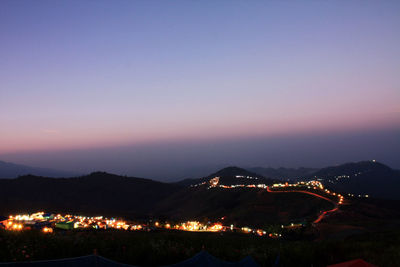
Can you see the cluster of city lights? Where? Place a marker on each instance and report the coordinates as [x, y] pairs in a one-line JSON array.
[[309, 185], [47, 223], [215, 182], [314, 185], [246, 177], [193, 226]]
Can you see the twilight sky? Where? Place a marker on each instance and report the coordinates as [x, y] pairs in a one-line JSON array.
[[125, 86]]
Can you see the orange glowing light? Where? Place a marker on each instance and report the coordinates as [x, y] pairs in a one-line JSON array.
[[47, 230]]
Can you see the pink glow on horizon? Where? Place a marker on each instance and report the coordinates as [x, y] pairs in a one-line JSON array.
[[54, 139]]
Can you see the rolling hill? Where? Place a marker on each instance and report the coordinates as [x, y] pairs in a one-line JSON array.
[[240, 206], [360, 178], [230, 176], [365, 177], [131, 197], [284, 173], [137, 198], [97, 193]]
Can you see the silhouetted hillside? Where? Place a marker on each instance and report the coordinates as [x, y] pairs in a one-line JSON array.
[[240, 206], [231, 176], [284, 173], [11, 170], [365, 177], [233, 171], [97, 193], [113, 195]]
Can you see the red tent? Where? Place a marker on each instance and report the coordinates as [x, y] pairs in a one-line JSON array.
[[353, 263]]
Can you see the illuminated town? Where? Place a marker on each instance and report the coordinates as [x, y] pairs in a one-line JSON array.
[[310, 185], [48, 223]]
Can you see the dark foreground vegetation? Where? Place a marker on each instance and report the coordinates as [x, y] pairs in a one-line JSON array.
[[159, 248]]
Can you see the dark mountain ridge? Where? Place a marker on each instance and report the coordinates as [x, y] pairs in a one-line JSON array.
[[233, 171], [138, 198], [361, 178], [284, 174], [97, 193], [131, 197], [230, 176]]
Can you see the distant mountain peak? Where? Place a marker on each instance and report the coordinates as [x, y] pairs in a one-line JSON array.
[[353, 168], [101, 173], [234, 171], [29, 176], [283, 173], [363, 178]]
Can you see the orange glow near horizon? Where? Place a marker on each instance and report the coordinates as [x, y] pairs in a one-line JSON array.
[[50, 140]]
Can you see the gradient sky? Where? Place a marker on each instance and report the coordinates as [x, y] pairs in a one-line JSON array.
[[142, 83]]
